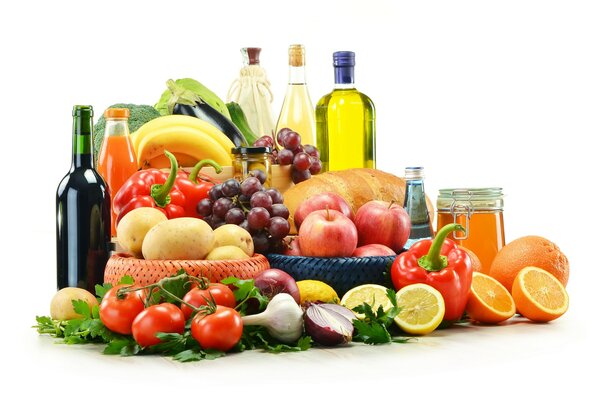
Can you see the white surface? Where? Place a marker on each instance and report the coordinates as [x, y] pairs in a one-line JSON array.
[[480, 93]]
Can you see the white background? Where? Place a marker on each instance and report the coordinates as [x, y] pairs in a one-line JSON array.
[[480, 93]]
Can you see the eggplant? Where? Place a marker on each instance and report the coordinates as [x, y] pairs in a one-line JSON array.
[[186, 102], [206, 113]]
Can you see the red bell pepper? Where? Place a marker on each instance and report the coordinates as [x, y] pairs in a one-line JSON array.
[[196, 185], [152, 188], [441, 264]]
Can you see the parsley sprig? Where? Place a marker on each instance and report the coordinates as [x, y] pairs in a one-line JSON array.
[[374, 327]]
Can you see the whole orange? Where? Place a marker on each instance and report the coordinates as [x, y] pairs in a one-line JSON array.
[[529, 251], [475, 262]]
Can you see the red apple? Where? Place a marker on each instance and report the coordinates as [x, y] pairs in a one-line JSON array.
[[370, 250], [320, 202], [382, 223], [327, 233], [292, 247]]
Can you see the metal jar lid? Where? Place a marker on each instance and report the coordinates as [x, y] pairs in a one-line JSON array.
[[477, 199]]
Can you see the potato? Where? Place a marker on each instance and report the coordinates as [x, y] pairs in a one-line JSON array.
[[234, 235], [179, 239], [227, 253], [134, 226], [61, 306]]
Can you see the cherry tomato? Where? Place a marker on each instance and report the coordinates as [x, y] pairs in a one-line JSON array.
[[222, 295], [220, 330], [165, 317], [117, 314]]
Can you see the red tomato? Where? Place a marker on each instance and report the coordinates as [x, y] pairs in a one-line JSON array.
[[165, 317], [222, 295], [117, 314], [220, 330]]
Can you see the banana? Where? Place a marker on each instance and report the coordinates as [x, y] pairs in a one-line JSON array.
[[183, 160], [193, 143], [175, 122]]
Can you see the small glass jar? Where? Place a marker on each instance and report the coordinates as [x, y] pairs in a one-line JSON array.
[[246, 159], [480, 212]]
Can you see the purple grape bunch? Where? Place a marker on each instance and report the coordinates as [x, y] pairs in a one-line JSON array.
[[304, 159], [253, 207]]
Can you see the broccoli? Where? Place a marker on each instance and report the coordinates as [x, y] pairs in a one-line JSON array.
[[138, 116]]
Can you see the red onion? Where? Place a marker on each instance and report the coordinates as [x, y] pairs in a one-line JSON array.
[[274, 281], [329, 324]]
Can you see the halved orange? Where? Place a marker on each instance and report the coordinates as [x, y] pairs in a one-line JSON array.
[[489, 302], [538, 295]]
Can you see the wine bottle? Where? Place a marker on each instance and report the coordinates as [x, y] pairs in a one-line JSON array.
[[345, 121], [82, 213], [297, 112]]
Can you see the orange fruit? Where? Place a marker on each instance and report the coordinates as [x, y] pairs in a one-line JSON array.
[[526, 251], [538, 295], [475, 262], [489, 302]]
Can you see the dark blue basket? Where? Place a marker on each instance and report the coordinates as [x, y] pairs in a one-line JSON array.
[[340, 273]]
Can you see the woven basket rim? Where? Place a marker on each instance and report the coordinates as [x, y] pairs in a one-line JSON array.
[[256, 256]]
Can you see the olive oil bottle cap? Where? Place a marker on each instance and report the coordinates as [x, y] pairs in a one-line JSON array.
[[343, 59]]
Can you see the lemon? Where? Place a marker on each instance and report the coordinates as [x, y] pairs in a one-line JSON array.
[[313, 291], [373, 295], [421, 309]]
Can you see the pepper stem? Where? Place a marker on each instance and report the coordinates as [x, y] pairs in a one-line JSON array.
[[194, 172], [433, 260], [160, 193]]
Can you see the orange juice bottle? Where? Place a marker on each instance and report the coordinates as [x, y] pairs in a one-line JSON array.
[[117, 160]]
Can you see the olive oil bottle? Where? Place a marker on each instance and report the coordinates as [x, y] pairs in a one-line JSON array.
[[345, 120]]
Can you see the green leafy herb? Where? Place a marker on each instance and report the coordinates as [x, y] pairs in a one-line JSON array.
[[245, 290], [257, 337], [373, 328], [183, 348]]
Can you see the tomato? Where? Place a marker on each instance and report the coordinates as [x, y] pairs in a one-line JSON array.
[[117, 314], [220, 330], [165, 317], [222, 295]]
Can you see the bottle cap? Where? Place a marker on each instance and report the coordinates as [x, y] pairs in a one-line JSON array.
[[116, 113], [343, 59], [414, 173], [297, 57], [251, 55], [83, 111], [251, 150]]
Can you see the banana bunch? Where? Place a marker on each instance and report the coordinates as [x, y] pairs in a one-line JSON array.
[[188, 138]]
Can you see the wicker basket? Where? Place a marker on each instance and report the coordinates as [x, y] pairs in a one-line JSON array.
[[340, 273], [145, 272]]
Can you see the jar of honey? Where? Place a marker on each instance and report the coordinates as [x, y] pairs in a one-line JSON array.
[[246, 159], [480, 212]]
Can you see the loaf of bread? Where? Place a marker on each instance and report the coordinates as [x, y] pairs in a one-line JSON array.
[[357, 186]]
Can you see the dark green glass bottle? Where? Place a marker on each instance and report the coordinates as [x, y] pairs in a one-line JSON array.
[[82, 213]]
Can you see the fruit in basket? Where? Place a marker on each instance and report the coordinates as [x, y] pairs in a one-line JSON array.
[[134, 226], [179, 239], [327, 233], [527, 251], [248, 204], [304, 159], [384, 223], [539, 295], [357, 186], [61, 306], [322, 201], [234, 235], [421, 309], [489, 302], [292, 247], [228, 252], [180, 134], [274, 281], [372, 250], [312, 291]]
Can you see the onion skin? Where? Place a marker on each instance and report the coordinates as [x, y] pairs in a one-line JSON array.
[[335, 331], [274, 281]]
